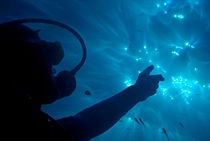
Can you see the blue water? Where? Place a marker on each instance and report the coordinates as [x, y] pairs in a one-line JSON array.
[[123, 37]]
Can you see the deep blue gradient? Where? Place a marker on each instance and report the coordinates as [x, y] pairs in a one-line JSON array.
[[123, 37]]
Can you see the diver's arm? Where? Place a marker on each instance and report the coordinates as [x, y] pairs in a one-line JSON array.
[[102, 116]]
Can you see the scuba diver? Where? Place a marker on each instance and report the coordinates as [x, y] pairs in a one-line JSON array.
[[30, 82]]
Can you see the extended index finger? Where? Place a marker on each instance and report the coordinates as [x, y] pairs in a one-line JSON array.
[[148, 70]]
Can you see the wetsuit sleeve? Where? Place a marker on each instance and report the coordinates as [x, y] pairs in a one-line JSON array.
[[100, 117]]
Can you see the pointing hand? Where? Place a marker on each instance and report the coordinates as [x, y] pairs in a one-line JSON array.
[[146, 84]]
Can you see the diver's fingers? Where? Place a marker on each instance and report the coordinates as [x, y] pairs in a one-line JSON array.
[[158, 77], [146, 72]]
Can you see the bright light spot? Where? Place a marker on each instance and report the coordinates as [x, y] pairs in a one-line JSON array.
[[163, 91], [209, 86], [196, 69], [175, 53], [171, 97], [179, 47], [192, 46], [204, 86], [185, 92], [128, 83], [150, 61], [158, 5], [129, 119], [145, 47], [187, 44], [165, 12], [185, 87], [196, 82], [158, 66], [156, 49], [165, 3], [125, 48], [139, 72], [138, 59], [178, 16]]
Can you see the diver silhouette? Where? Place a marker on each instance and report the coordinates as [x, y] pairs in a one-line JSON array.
[[30, 82]]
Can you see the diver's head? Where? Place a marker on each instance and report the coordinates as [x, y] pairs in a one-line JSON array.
[[53, 51], [29, 60], [17, 32], [16, 38]]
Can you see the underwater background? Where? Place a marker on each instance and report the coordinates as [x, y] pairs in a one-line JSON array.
[[123, 37]]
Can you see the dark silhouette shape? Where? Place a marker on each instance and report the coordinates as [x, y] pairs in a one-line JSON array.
[[141, 121], [30, 82], [87, 92], [137, 121], [181, 124], [164, 131]]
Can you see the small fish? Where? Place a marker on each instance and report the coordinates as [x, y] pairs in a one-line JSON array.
[[181, 124], [137, 121], [164, 131], [87, 92], [141, 121]]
